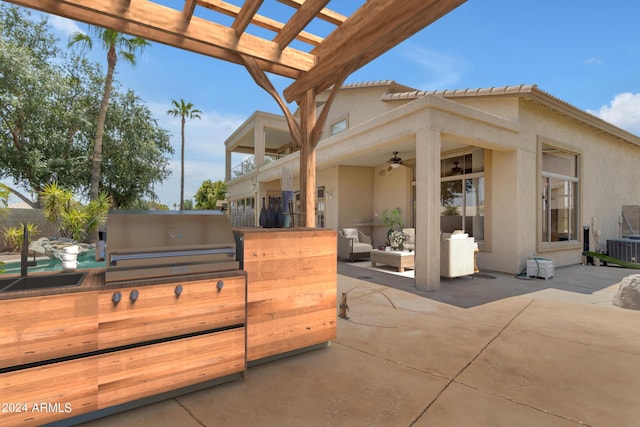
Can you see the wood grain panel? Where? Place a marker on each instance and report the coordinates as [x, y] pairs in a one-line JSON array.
[[145, 371], [280, 335], [159, 313], [40, 328], [291, 289], [49, 393]]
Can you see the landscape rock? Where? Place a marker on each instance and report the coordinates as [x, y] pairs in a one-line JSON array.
[[51, 246], [628, 295]]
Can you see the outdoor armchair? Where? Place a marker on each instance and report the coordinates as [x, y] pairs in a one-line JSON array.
[[353, 244]]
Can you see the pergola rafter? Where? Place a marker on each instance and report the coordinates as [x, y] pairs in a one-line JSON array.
[[375, 27]]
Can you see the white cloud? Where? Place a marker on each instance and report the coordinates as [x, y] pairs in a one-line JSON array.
[[623, 111], [593, 60], [64, 25], [443, 70]]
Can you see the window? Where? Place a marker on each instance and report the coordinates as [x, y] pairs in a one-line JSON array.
[[339, 126], [559, 195], [462, 193], [320, 208]]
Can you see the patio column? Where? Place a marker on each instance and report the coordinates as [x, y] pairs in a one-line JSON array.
[[427, 258], [227, 165], [258, 144]]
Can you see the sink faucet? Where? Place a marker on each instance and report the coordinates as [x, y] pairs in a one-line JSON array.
[[24, 254]]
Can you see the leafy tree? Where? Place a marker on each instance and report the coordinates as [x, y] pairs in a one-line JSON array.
[[115, 44], [184, 110], [188, 205], [136, 152], [4, 198], [49, 104], [209, 193], [146, 205], [45, 105]]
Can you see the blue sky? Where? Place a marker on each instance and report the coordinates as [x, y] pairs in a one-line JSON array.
[[584, 52]]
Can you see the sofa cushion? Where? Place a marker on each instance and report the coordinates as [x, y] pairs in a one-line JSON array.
[[361, 247], [351, 233]]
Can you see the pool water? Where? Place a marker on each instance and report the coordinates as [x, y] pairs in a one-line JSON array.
[[48, 264]]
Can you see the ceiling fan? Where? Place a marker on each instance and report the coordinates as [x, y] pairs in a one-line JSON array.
[[395, 161]]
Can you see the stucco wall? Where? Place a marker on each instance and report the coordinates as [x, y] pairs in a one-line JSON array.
[[390, 191], [357, 106], [355, 195]]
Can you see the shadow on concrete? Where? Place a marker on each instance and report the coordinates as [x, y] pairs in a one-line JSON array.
[[489, 286]]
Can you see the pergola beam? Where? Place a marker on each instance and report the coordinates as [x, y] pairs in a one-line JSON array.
[[324, 14], [298, 21], [189, 8], [258, 20], [245, 16], [162, 24], [373, 29]]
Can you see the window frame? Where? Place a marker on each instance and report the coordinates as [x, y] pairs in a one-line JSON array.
[[333, 125], [541, 177], [468, 175]]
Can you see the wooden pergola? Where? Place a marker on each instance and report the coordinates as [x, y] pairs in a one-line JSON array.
[[372, 29]]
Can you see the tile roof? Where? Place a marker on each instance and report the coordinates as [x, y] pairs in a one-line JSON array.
[[394, 87]]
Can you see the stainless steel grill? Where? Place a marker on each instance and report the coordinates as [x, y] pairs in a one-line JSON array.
[[168, 243]]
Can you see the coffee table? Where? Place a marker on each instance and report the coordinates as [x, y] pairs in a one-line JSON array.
[[398, 259]]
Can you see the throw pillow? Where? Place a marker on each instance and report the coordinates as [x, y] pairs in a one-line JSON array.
[[351, 233]]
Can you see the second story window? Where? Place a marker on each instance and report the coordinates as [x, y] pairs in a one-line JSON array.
[[338, 126]]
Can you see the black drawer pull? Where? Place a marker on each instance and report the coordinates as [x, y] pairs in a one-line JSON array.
[[178, 290], [219, 285], [133, 296]]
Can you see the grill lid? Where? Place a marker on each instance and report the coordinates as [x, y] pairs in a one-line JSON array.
[[168, 243]]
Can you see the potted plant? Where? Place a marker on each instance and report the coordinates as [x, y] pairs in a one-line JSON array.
[[393, 220]]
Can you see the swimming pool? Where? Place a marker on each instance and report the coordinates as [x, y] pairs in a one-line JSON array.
[[48, 264]]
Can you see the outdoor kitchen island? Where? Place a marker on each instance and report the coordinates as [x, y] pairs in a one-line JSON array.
[[74, 353]]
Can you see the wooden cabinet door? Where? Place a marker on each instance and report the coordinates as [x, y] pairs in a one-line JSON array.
[[153, 312], [128, 375], [292, 290], [48, 393], [47, 327]]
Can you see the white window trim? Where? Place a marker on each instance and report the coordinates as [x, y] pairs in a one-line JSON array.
[[542, 246]]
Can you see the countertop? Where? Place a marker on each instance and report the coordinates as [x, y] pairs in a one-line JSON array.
[[94, 281]]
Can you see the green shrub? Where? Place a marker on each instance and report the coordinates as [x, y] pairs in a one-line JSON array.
[[13, 235], [71, 218]]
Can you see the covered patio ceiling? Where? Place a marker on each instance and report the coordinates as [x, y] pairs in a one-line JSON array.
[[350, 42]]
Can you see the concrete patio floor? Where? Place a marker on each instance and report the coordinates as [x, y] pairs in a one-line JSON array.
[[490, 351]]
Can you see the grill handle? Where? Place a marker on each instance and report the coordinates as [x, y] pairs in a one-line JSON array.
[[115, 257]]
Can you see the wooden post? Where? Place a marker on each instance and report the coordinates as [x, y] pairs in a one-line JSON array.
[[308, 159]]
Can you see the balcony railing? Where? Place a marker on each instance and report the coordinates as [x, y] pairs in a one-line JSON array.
[[249, 164]]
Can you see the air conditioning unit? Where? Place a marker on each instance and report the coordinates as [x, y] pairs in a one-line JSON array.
[[624, 249]]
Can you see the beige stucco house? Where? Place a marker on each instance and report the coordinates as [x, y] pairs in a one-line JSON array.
[[520, 170]]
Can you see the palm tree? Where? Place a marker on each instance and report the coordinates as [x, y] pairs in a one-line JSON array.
[[183, 110], [115, 44]]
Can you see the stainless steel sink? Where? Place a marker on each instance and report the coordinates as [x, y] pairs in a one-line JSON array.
[[41, 282]]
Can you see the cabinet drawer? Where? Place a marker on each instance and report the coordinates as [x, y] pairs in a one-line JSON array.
[[49, 393], [162, 311], [131, 374], [41, 328]]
